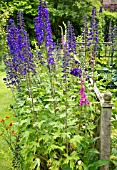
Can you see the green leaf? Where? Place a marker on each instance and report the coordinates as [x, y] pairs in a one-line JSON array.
[[97, 164], [91, 126], [94, 139], [25, 121], [53, 146], [74, 155], [39, 124], [21, 103], [93, 150], [66, 167], [36, 164], [76, 139]]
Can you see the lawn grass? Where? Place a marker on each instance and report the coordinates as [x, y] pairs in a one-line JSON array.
[[5, 100]]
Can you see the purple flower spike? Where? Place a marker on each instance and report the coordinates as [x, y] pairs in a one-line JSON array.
[[42, 26], [20, 61], [51, 60], [71, 39]]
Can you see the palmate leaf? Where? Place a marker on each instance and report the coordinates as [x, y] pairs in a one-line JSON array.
[[57, 124], [39, 124], [67, 167], [97, 164], [36, 164], [53, 147], [76, 139]]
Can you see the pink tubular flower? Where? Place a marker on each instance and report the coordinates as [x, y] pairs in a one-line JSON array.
[[83, 98], [82, 90], [87, 102], [82, 102]]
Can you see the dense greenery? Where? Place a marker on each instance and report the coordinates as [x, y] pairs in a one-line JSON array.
[[56, 113], [5, 110]]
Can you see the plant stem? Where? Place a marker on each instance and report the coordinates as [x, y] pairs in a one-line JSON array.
[[66, 111], [51, 75]]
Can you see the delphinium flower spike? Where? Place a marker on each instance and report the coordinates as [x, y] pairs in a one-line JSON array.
[[21, 58], [26, 57], [71, 39], [10, 60], [93, 34], [69, 48], [43, 31], [93, 38]]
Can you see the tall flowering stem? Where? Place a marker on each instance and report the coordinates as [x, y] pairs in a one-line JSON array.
[[21, 63], [112, 36], [93, 40], [44, 37], [85, 36], [28, 59], [11, 62], [93, 34], [71, 39], [43, 30], [68, 62]]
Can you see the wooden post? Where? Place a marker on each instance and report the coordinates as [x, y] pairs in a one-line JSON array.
[[105, 127]]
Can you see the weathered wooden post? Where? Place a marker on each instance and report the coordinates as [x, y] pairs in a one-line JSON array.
[[105, 127]]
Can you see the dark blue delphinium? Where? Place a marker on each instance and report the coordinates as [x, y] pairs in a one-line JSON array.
[[93, 32], [20, 21], [69, 48], [43, 29], [21, 58], [71, 38], [11, 61], [39, 25], [111, 31], [85, 29], [76, 72], [111, 35], [25, 54], [11, 73]]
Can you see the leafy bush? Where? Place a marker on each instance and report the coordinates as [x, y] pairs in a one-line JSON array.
[[56, 109]]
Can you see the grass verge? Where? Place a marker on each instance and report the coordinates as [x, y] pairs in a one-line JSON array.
[[5, 100]]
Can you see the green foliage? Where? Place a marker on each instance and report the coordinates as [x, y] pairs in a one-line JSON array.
[[5, 12], [5, 110], [54, 131], [59, 11], [73, 11]]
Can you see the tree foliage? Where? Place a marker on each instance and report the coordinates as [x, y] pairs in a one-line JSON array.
[[60, 11]]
